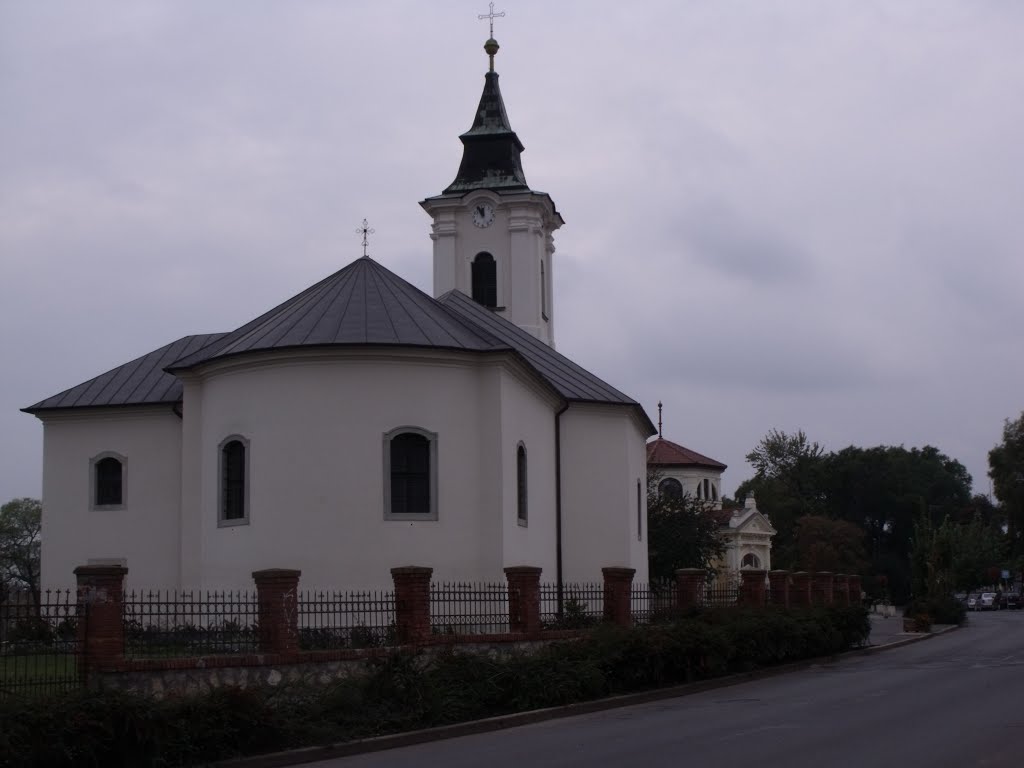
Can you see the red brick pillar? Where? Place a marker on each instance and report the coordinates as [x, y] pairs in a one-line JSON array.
[[689, 587], [412, 602], [752, 590], [854, 587], [277, 596], [800, 594], [523, 598], [618, 593], [842, 589], [823, 588], [778, 588], [101, 615]]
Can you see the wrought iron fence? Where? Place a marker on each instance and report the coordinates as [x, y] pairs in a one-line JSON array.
[[653, 603], [39, 648], [469, 609], [571, 606], [337, 620], [167, 624]]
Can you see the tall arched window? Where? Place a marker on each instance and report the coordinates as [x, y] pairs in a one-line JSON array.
[[543, 292], [410, 474], [484, 273], [670, 488], [108, 481], [234, 482], [639, 513], [521, 489]]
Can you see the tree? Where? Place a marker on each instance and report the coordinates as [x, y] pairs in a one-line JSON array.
[[1006, 468], [682, 532], [824, 544], [20, 521]]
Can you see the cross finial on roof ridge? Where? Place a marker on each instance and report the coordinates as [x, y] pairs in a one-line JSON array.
[[365, 230], [491, 46]]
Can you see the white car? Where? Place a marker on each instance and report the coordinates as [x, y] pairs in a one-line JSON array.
[[988, 602]]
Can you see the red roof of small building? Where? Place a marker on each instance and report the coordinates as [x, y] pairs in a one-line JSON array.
[[665, 453]]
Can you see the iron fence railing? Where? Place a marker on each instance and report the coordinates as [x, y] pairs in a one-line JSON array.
[[571, 606], [338, 620], [166, 624], [469, 608], [39, 648]]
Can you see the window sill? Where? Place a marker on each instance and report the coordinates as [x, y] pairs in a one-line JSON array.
[[232, 523], [107, 507], [523, 523]]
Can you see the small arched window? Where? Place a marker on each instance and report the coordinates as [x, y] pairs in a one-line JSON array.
[[750, 560], [108, 481], [521, 488], [410, 456], [234, 488], [670, 488], [484, 273]]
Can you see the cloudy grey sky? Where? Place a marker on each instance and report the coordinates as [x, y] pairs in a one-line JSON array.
[[779, 213]]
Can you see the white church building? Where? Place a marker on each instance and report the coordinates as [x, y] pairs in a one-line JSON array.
[[364, 424]]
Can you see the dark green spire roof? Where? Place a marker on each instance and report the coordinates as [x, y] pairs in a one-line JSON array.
[[491, 149]]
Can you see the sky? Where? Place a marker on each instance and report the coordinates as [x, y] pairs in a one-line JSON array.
[[780, 214]]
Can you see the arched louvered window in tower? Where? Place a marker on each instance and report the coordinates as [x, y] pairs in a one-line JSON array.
[[485, 280]]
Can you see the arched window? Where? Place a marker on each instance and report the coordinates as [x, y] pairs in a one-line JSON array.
[[714, 492], [485, 280], [670, 488], [543, 292], [707, 489], [521, 497], [750, 560], [234, 486], [410, 485], [639, 513], [108, 481]]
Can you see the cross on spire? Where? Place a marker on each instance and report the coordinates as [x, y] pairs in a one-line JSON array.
[[491, 16], [365, 231]]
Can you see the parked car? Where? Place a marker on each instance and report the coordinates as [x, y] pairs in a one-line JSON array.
[[988, 601], [972, 603], [1013, 600]]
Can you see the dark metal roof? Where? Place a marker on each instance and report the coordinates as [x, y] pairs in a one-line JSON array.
[[364, 303], [570, 380], [491, 150], [143, 381]]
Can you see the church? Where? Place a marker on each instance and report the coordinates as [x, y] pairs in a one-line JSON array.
[[364, 424]]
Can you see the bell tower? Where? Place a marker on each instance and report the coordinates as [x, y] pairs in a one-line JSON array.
[[493, 235]]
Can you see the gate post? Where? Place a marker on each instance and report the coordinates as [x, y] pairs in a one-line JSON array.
[[277, 597], [618, 593], [100, 597], [523, 598], [412, 602]]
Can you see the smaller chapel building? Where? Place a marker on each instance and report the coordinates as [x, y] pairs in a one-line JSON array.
[[363, 424]]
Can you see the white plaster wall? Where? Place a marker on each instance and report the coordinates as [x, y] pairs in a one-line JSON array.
[[528, 416], [315, 428], [603, 457], [145, 530]]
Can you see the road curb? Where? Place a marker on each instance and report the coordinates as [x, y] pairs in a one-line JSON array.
[[501, 722]]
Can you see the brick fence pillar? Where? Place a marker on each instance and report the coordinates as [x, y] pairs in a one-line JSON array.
[[778, 588], [100, 598], [823, 588], [752, 590], [800, 594], [854, 587], [618, 593], [689, 587], [523, 598], [841, 589], [277, 599], [412, 602]]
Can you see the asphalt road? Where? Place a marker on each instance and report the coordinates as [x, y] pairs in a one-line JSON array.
[[953, 701]]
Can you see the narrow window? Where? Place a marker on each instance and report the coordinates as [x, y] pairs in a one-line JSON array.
[[750, 561], [108, 482], [410, 474], [543, 292], [707, 488], [639, 514], [714, 492], [485, 280], [521, 509], [233, 482], [670, 488]]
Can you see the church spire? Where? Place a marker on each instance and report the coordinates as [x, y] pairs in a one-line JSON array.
[[491, 149]]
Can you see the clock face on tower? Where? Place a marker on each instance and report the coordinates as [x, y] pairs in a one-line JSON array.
[[483, 215]]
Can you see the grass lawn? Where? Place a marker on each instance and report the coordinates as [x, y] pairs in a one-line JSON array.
[[33, 674]]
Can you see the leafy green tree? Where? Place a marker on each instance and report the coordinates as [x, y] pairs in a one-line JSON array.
[[20, 525], [682, 532], [825, 544], [1006, 468]]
